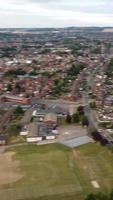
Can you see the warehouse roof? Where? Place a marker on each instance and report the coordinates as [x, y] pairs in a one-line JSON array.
[[33, 129]]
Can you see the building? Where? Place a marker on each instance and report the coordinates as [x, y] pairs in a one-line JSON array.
[[24, 131], [50, 118], [14, 99], [37, 133], [33, 133], [39, 114]]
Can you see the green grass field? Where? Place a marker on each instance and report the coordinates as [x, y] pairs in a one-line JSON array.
[[59, 173]]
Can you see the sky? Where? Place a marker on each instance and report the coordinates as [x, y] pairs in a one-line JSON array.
[[55, 13]]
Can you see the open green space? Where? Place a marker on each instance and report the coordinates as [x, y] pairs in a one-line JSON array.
[[57, 172]]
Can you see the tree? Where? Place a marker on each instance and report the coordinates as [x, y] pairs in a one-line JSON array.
[[110, 68], [96, 50], [18, 111], [56, 82], [15, 72], [91, 197], [98, 196], [76, 118], [111, 195], [101, 196], [75, 69], [85, 121], [13, 130], [34, 61], [33, 73], [68, 118], [9, 87], [93, 105], [80, 110], [104, 141]]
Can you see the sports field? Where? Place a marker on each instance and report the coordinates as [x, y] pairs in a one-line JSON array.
[[55, 172]]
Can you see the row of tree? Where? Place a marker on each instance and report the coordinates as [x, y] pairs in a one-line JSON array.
[[97, 136], [110, 68], [78, 117]]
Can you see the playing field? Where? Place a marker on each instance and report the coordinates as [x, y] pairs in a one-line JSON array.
[[56, 172]]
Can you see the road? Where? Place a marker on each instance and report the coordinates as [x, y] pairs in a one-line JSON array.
[[6, 147], [49, 102], [88, 112]]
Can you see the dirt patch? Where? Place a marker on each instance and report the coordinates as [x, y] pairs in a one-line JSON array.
[[9, 169]]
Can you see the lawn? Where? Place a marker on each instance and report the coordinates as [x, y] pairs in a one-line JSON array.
[[57, 172]]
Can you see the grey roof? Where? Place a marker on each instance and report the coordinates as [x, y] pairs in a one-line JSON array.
[[27, 117], [38, 130], [39, 112], [33, 129], [57, 109], [44, 131]]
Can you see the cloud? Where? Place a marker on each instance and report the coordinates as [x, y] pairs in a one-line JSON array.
[[55, 13]]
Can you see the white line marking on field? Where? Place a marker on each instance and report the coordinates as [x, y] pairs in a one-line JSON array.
[[95, 184]]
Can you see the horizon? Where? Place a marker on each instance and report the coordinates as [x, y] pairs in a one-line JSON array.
[[66, 27]]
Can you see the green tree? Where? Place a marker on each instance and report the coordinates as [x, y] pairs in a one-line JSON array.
[[68, 118], [9, 87], [33, 73], [96, 50], [93, 105], [13, 130], [18, 88], [91, 197], [85, 121], [101, 196], [80, 110], [98, 196], [110, 68], [18, 111], [111, 195], [76, 118]]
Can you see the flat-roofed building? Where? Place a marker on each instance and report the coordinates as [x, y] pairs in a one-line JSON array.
[[38, 132], [39, 114], [33, 133], [15, 99]]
